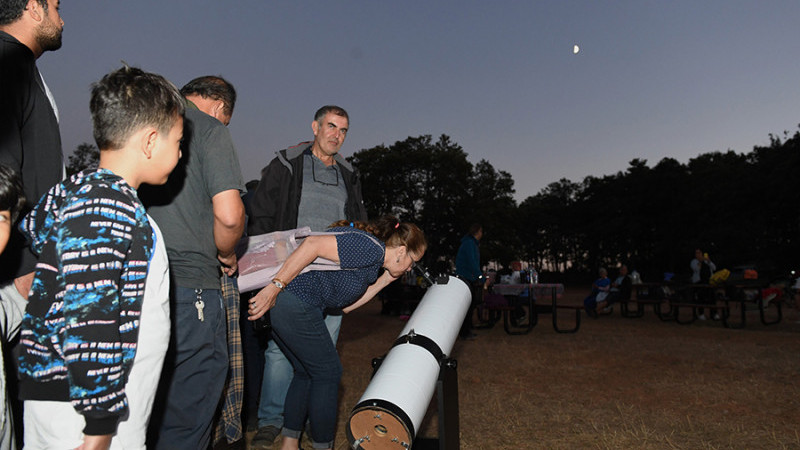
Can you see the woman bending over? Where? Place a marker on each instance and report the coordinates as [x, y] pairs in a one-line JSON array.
[[297, 301]]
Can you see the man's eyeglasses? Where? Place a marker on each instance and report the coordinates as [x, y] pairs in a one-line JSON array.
[[314, 175]]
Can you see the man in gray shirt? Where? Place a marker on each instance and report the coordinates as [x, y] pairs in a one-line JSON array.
[[201, 215]]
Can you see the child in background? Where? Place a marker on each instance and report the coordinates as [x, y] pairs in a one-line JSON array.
[[12, 200], [96, 327]]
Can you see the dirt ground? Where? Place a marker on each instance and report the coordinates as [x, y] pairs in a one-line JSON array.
[[616, 383]]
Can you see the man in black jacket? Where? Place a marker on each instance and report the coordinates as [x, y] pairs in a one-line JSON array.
[[276, 204], [311, 185], [30, 142]]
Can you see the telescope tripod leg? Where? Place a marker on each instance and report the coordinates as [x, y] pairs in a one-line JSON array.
[[447, 403]]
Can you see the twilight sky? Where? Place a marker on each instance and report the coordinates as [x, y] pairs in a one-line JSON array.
[[653, 78]]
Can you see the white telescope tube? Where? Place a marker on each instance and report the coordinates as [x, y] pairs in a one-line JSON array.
[[395, 401]]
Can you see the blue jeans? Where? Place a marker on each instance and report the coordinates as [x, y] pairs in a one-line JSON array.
[[194, 371], [300, 332], [278, 375]]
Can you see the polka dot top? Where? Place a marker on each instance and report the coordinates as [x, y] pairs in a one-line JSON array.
[[361, 258]]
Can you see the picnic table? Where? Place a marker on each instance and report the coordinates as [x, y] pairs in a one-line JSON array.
[[728, 299], [649, 294], [541, 298]]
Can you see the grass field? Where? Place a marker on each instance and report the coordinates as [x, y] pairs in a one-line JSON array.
[[616, 383]]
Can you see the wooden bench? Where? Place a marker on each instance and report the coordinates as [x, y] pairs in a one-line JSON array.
[[541, 292], [640, 307], [654, 294], [676, 307], [730, 298], [525, 327], [759, 302], [533, 317], [507, 309], [778, 303]]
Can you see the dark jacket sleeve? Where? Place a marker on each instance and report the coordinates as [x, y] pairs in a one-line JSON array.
[[30, 141], [268, 199], [468, 263], [355, 209], [14, 84], [625, 288]]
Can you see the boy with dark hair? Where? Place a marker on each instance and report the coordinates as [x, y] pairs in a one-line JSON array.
[[12, 200], [96, 328]]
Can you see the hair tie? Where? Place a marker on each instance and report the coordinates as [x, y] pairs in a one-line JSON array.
[[351, 225], [397, 225]]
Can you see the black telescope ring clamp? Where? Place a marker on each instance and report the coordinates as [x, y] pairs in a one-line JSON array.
[[422, 341]]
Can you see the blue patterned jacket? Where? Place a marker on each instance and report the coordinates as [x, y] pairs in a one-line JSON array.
[[79, 333]]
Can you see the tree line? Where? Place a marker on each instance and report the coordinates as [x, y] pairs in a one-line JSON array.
[[740, 208]]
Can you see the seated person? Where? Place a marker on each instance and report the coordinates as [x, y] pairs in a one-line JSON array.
[[490, 299], [600, 289], [517, 277], [506, 275], [620, 291]]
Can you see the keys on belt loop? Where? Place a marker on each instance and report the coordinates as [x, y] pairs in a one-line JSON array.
[[199, 304]]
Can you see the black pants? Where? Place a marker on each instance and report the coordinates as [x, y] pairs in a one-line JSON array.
[[705, 296], [477, 295]]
